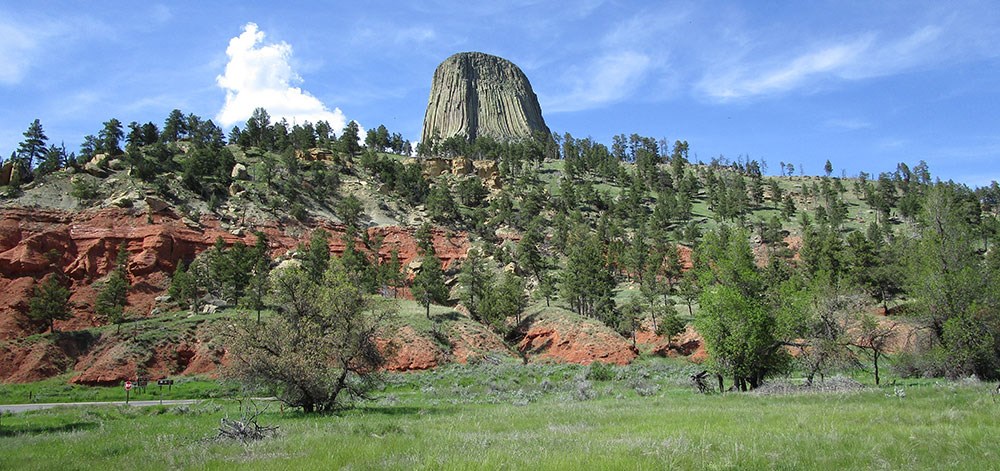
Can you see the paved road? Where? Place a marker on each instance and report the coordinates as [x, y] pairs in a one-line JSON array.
[[14, 408]]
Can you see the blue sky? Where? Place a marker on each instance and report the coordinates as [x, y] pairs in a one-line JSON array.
[[864, 84]]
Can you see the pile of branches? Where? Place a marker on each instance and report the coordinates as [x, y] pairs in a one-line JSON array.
[[699, 380], [245, 429]]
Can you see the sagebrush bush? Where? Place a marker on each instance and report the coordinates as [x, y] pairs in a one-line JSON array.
[[600, 372]]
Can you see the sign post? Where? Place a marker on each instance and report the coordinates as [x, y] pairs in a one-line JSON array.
[[128, 387], [164, 382]]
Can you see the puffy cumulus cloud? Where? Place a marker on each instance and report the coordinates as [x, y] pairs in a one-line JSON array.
[[260, 75]]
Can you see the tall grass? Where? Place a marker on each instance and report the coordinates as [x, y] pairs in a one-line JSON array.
[[511, 416]]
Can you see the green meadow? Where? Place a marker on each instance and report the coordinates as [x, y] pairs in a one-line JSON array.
[[511, 416]]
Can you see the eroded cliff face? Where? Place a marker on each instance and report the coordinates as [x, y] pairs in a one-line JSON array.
[[87, 242], [475, 94]]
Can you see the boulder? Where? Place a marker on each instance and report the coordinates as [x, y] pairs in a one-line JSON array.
[[434, 166], [461, 166], [5, 173], [240, 172], [98, 166]]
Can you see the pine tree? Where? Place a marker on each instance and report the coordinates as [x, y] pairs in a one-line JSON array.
[[259, 282], [32, 148], [110, 137], [50, 302], [476, 280], [113, 297], [184, 287], [587, 281], [428, 284], [317, 256]]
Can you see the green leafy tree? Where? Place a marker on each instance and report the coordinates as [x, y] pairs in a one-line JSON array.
[[744, 321], [319, 351], [944, 270], [428, 284]]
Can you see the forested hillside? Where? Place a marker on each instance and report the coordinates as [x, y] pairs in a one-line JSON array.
[[775, 272]]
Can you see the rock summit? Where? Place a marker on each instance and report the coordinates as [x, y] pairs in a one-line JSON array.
[[475, 94]]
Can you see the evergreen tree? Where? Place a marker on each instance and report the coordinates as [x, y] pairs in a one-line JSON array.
[[428, 284], [476, 280], [258, 283], [440, 205], [50, 302], [175, 127], [587, 281], [113, 297], [503, 299], [110, 137], [349, 138], [32, 148], [184, 287], [55, 158], [357, 264], [317, 255]]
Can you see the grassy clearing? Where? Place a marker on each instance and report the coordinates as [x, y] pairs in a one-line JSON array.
[[58, 390], [539, 417]]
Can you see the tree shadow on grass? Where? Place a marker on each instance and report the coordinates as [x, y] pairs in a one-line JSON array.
[[399, 411], [447, 316], [35, 429]]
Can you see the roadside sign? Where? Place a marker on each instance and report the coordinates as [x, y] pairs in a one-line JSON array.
[[169, 383], [128, 385]]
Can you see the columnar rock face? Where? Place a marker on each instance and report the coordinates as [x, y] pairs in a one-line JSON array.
[[476, 94]]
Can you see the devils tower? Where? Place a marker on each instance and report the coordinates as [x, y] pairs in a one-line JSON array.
[[475, 94]]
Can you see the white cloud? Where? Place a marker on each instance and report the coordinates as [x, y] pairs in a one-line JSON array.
[[755, 80], [608, 79], [864, 56], [20, 46], [848, 124], [260, 75]]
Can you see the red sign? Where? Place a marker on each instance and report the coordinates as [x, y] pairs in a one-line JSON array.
[[128, 385]]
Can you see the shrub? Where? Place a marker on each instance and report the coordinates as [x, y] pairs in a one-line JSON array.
[[600, 372], [84, 189]]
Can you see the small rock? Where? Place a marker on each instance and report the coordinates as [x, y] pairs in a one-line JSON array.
[[240, 172]]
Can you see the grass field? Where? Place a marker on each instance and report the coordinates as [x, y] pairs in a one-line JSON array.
[[539, 417]]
